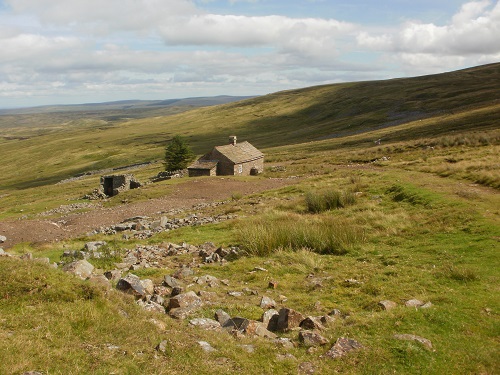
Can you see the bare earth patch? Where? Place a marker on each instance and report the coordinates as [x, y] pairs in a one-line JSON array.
[[184, 196]]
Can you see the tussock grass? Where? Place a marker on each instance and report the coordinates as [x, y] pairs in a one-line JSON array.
[[279, 231], [408, 194], [458, 273], [317, 202]]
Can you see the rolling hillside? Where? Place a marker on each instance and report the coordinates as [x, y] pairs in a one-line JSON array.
[[39, 152]]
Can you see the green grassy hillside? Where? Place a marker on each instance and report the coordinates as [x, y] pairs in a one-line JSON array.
[[45, 149], [413, 216]]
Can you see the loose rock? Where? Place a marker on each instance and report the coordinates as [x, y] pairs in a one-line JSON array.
[[341, 347], [205, 323], [189, 299], [267, 303], [207, 348], [288, 319], [80, 268], [131, 284], [311, 338], [387, 305]]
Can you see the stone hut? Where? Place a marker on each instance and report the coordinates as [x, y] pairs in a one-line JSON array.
[[114, 184], [233, 159]]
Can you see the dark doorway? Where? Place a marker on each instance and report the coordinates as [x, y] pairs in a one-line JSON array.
[[108, 186]]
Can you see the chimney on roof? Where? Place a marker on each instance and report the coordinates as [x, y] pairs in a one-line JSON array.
[[232, 140]]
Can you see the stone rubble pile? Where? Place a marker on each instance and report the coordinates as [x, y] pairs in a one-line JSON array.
[[175, 297], [96, 194], [65, 209], [143, 227], [167, 175], [152, 256]]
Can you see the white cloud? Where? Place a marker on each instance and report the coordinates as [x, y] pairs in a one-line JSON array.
[[118, 49], [471, 37], [474, 30]]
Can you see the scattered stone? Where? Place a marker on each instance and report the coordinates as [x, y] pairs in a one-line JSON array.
[[270, 319], [251, 292], [311, 338], [32, 373], [267, 303], [205, 323], [207, 296], [414, 303], [159, 324], [3, 239], [151, 306], [272, 284], [94, 246], [158, 299], [326, 320], [387, 305], [80, 268], [222, 317], [335, 312], [176, 290], [259, 269], [26, 256], [236, 324], [425, 342], [289, 319], [352, 282], [207, 348], [183, 272], [189, 299], [162, 347], [312, 323], [131, 284], [426, 305], [100, 280], [235, 294], [3, 253], [148, 286], [255, 328], [170, 281], [209, 280], [341, 347], [113, 275], [182, 312], [284, 342]]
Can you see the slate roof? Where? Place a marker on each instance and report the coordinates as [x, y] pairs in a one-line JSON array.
[[203, 164], [240, 152]]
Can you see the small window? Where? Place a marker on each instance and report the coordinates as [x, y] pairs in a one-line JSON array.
[[240, 169]]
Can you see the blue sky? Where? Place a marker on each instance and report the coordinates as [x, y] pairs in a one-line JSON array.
[[78, 51]]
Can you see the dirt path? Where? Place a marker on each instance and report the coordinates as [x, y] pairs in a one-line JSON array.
[[184, 196]]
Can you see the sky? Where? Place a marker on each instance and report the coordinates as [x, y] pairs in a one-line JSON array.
[[88, 51]]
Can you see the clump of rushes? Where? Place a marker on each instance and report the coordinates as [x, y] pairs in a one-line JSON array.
[[292, 232], [327, 200]]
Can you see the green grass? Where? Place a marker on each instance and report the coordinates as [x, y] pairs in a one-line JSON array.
[[324, 235]]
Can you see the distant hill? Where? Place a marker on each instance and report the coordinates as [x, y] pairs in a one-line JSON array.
[[126, 105]]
